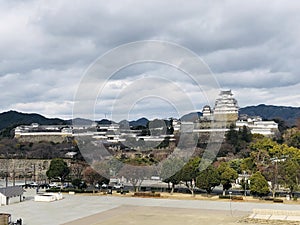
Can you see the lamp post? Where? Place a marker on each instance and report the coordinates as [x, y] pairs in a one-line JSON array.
[[275, 163], [245, 181]]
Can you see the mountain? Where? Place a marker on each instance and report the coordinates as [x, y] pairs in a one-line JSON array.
[[13, 118], [268, 112], [105, 122], [191, 117], [140, 122], [80, 122]]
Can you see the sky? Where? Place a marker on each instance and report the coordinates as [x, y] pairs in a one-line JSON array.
[[48, 48]]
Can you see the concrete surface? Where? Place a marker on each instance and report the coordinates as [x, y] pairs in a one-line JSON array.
[[74, 207]]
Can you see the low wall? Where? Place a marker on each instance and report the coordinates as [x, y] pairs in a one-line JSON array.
[[39, 138], [269, 214]]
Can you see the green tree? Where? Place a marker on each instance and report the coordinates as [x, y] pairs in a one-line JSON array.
[[245, 134], [208, 179], [247, 165], [259, 185], [294, 141], [173, 180], [227, 176], [77, 183], [232, 136], [189, 173], [170, 172], [289, 171], [236, 165], [58, 169]]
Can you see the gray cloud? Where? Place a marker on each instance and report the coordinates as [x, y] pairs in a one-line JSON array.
[[45, 47]]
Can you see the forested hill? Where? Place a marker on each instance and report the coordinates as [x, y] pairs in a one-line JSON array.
[[13, 118], [268, 112]]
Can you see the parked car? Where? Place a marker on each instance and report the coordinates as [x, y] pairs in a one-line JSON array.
[[53, 185], [104, 185], [118, 186], [33, 184]]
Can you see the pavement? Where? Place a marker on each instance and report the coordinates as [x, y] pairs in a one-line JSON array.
[[75, 207]]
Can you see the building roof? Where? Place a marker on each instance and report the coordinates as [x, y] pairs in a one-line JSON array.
[[12, 191], [227, 92]]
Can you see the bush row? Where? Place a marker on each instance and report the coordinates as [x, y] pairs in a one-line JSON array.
[[231, 197], [146, 194]]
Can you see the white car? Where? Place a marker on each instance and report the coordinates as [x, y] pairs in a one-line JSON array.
[[33, 184], [104, 186], [53, 185], [118, 186]]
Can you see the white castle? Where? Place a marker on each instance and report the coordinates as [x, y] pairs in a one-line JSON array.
[[226, 109]]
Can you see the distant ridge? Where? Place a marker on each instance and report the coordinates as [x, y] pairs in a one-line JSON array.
[[140, 122], [269, 112], [191, 117], [14, 118], [105, 122]]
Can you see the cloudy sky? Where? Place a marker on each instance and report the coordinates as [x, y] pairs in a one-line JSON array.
[[48, 47]]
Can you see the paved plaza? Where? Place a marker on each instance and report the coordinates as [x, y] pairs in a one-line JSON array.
[[74, 209]]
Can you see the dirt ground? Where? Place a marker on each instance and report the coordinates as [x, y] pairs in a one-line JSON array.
[[137, 215], [143, 215]]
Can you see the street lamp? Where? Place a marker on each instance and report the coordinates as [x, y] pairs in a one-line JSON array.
[[245, 181]]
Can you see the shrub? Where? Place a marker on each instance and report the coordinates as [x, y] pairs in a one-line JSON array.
[[269, 199], [277, 200], [237, 198], [146, 194], [224, 196]]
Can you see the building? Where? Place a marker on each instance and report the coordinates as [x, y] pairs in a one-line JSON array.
[[226, 107], [37, 133], [258, 126], [10, 192], [207, 113]]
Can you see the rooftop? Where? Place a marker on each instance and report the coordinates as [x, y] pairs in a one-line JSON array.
[[12, 191]]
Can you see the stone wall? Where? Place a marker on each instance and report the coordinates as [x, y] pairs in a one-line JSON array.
[[230, 117], [21, 168], [39, 138], [30, 169]]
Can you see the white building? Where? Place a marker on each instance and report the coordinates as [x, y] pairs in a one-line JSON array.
[[226, 107], [226, 110], [207, 113], [7, 194], [258, 126]]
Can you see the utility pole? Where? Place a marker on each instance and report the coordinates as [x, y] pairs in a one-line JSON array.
[[6, 173], [6, 179], [14, 174], [34, 176], [245, 181]]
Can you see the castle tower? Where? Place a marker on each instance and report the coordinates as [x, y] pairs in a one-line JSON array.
[[207, 113], [226, 107]]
